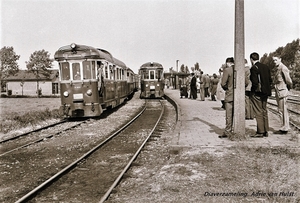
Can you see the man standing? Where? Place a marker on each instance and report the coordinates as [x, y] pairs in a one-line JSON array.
[[214, 84], [248, 106], [193, 87], [220, 91], [227, 85], [260, 77], [283, 83], [202, 89], [206, 85]]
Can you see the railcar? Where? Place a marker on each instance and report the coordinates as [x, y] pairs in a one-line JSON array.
[[151, 80], [91, 80]]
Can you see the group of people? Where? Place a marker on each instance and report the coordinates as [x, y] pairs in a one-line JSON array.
[[258, 87], [206, 86]]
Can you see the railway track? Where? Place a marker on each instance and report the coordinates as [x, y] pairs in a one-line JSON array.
[[112, 157], [293, 109], [294, 100], [24, 141], [42, 134], [33, 131]]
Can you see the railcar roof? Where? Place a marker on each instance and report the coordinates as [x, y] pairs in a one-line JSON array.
[[66, 52], [151, 64], [119, 63]]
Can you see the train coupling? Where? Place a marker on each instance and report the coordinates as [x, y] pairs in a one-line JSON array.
[[65, 109]]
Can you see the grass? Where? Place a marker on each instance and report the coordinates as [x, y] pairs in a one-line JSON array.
[[18, 113], [31, 118], [264, 174]]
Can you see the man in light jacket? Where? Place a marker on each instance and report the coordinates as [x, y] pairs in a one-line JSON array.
[[283, 83]]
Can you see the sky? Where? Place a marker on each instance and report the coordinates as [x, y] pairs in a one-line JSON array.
[[140, 31]]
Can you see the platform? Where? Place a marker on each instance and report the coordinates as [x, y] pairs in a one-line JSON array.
[[201, 122]]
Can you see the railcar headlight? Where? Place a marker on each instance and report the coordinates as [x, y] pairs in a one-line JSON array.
[[66, 93], [147, 85], [73, 45], [89, 92], [157, 85]]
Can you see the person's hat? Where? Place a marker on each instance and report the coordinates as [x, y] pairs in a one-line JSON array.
[[230, 59]]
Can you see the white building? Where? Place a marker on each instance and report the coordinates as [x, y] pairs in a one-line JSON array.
[[25, 83]]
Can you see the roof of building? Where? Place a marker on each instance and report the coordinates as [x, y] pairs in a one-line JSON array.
[[24, 75]]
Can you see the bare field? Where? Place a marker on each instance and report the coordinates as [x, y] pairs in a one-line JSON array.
[[9, 106]]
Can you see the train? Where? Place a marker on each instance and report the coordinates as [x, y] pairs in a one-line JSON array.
[[92, 80], [151, 80]]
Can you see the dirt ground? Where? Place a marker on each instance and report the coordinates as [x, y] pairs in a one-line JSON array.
[[217, 174], [240, 173]]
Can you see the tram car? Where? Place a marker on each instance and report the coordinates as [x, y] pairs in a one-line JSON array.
[[92, 80], [151, 80]]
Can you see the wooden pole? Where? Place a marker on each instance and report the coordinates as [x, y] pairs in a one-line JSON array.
[[239, 70]]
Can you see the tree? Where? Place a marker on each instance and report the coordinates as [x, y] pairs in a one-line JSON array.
[[182, 68], [9, 65], [197, 66], [187, 69], [192, 69], [39, 64], [290, 55]]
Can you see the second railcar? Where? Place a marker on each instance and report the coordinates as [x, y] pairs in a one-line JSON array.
[[151, 80]]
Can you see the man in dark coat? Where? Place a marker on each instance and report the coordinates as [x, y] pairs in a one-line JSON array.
[[193, 87], [260, 73]]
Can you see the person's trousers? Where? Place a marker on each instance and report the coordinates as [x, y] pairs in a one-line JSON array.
[[202, 96], [259, 105], [283, 113], [228, 117], [206, 93], [248, 106]]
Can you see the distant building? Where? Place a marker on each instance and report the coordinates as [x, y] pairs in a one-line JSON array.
[[25, 83]]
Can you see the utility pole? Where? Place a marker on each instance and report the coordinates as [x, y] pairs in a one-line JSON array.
[[239, 70], [177, 65]]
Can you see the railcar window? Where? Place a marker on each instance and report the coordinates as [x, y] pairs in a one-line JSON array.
[[151, 74], [111, 72], [87, 70], [146, 74], [123, 74], [93, 70], [100, 67], [106, 72], [158, 74], [76, 71], [65, 70], [117, 74], [128, 77]]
